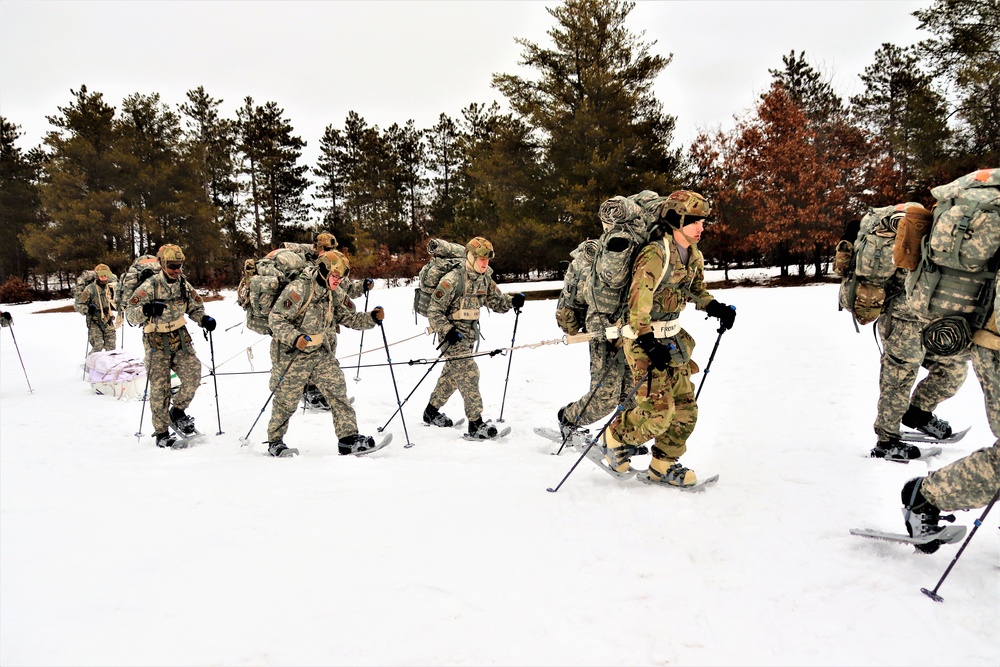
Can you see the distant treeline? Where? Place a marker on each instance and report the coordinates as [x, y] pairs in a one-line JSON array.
[[109, 184]]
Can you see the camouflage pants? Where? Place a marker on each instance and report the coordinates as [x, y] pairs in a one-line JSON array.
[[101, 336], [610, 382], [166, 353], [902, 358], [665, 409], [319, 368], [461, 375], [970, 482], [986, 363]]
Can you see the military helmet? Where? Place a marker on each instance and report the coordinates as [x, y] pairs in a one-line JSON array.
[[325, 241], [684, 207], [480, 247], [103, 271], [335, 261], [169, 253]]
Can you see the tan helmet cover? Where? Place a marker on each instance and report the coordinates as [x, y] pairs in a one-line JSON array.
[[170, 253], [325, 241], [685, 203], [335, 261], [103, 271], [480, 247]]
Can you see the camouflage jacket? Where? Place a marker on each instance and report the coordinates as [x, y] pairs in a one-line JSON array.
[[306, 307], [651, 298], [180, 297], [102, 297], [450, 308]]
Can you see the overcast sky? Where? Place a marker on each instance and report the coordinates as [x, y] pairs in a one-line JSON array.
[[392, 61]]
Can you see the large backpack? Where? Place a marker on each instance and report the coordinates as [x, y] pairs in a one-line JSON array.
[[445, 257], [961, 254], [866, 266], [626, 221], [270, 275], [144, 266]]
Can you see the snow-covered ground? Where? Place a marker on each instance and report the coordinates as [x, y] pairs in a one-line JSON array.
[[114, 552]]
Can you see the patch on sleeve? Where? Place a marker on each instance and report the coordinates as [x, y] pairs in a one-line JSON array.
[[287, 303], [197, 297], [134, 300], [349, 303], [140, 293], [444, 285], [438, 294], [294, 296]]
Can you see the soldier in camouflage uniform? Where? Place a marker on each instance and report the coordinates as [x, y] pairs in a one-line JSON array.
[[610, 376], [453, 314], [6, 319], [969, 482], [312, 397], [305, 320], [667, 274], [96, 302], [159, 304], [900, 327]]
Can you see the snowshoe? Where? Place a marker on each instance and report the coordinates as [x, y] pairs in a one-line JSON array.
[[313, 399], [167, 439], [183, 424], [434, 417], [675, 475], [569, 430], [895, 450], [921, 516], [919, 436], [361, 444], [482, 430], [279, 449], [927, 422], [924, 544]]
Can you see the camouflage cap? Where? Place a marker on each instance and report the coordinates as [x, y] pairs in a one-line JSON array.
[[684, 207], [103, 271], [170, 253], [333, 260], [325, 241], [480, 247]]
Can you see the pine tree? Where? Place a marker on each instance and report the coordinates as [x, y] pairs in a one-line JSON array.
[[19, 201]]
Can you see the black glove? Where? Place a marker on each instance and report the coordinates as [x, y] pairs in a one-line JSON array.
[[91, 309], [7, 317], [208, 323], [153, 308], [367, 285], [517, 301], [658, 354], [145, 275], [453, 336], [726, 314], [851, 230]]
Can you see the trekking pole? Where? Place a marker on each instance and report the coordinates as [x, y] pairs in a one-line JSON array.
[[586, 404], [976, 524], [244, 441], [510, 358], [395, 387], [357, 371], [11, 327], [620, 408], [215, 380], [429, 369], [142, 413], [86, 346], [711, 358]]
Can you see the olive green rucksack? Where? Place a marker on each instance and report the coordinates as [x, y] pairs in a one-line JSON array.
[[445, 257]]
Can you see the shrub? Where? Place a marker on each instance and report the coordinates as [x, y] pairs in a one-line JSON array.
[[15, 291]]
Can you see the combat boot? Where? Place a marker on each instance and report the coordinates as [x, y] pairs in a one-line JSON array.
[[670, 471], [926, 422], [617, 455], [920, 515], [434, 417], [895, 450]]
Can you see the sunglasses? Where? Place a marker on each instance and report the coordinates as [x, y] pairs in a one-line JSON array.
[[483, 252], [174, 266]]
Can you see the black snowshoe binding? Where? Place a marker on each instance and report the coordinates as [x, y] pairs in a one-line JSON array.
[[895, 450], [355, 444], [921, 516], [167, 439], [926, 422], [434, 417], [567, 429], [182, 423], [278, 448], [314, 399], [481, 430]]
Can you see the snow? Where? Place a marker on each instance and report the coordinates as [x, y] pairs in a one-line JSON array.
[[114, 552]]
